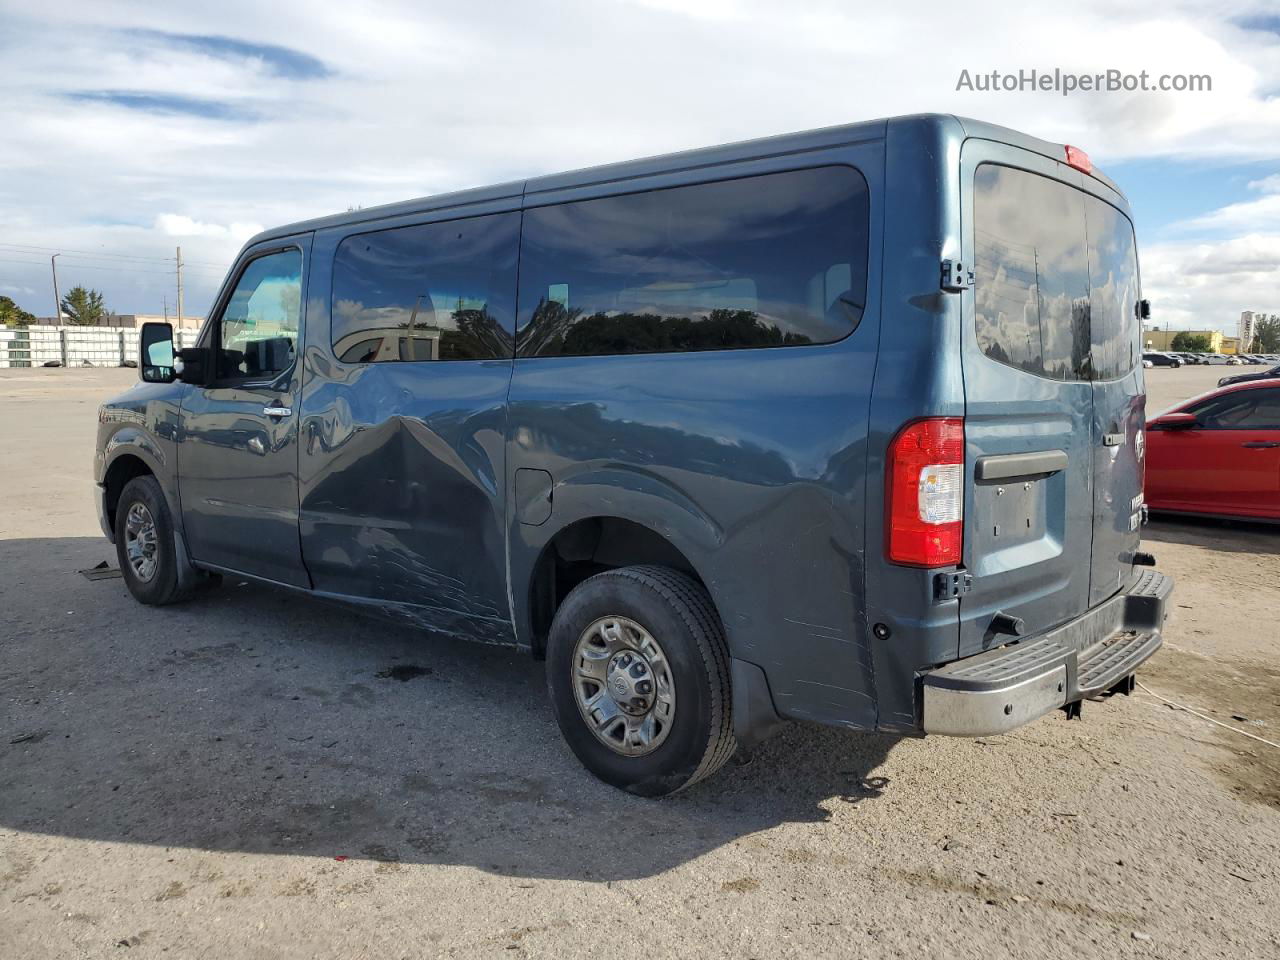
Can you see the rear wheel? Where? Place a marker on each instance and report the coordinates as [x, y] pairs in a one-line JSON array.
[[638, 672], [144, 543]]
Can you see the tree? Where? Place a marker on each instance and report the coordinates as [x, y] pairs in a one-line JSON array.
[[1266, 335], [1185, 342], [12, 315], [83, 307]]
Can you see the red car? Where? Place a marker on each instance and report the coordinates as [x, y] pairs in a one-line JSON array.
[[1218, 454]]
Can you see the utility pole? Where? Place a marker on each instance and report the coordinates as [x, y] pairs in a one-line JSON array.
[[179, 288], [57, 301]]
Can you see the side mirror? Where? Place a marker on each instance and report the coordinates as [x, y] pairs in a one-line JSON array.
[[155, 353], [1176, 421]]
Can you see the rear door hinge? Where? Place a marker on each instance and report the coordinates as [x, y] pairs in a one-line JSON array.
[[948, 586], [955, 277]]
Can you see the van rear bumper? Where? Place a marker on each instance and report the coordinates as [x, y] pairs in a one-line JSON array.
[[1001, 689]]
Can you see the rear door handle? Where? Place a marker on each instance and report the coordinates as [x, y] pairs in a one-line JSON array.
[[1260, 444], [278, 412], [1014, 465]]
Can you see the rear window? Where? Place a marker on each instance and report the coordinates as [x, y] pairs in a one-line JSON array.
[[1113, 291], [769, 261], [1055, 278]]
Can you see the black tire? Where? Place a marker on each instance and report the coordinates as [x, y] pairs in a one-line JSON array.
[[676, 610], [164, 585]]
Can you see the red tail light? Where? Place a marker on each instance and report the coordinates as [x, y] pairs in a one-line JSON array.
[[926, 493], [1079, 159]]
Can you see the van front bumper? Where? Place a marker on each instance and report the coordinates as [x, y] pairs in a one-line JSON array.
[[1001, 689]]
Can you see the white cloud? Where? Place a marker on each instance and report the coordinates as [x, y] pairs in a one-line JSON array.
[[177, 225], [1250, 215], [1206, 285]]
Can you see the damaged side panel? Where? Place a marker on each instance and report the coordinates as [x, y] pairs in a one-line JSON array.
[[401, 481]]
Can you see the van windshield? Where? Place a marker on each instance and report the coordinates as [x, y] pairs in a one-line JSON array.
[[1056, 278]]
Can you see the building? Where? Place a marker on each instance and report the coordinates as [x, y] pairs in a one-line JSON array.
[[1153, 339], [1230, 345], [131, 321], [136, 320]]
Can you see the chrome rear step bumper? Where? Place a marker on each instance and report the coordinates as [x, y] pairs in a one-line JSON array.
[[1001, 689]]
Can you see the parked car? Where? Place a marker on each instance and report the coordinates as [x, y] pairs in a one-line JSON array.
[[1246, 377], [712, 452], [1162, 359], [1147, 363], [1215, 358], [1190, 358], [1218, 454]]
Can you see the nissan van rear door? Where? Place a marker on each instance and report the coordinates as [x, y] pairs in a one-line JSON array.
[[1029, 401]]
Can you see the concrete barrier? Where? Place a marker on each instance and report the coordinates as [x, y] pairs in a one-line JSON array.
[[72, 346]]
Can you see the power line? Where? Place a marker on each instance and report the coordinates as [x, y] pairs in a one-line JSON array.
[[91, 253], [92, 266], [105, 256]]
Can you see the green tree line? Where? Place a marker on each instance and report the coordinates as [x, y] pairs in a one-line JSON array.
[[81, 306]]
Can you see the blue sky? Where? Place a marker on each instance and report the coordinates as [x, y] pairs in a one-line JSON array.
[[132, 128]]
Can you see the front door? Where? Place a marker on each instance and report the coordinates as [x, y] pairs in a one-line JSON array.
[[238, 456], [1230, 462]]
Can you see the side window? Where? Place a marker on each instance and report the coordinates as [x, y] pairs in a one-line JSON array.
[[769, 261], [433, 291], [1257, 409], [258, 329], [1031, 275], [1113, 291]]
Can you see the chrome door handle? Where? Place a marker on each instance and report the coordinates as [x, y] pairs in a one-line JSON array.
[[1260, 444], [277, 412]]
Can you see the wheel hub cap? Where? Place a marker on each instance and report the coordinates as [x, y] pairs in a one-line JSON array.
[[623, 686], [140, 541]]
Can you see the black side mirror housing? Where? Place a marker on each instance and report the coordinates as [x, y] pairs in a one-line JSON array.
[[155, 353], [195, 365], [1144, 309]]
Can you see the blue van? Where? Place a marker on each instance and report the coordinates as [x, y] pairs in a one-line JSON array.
[[843, 426]]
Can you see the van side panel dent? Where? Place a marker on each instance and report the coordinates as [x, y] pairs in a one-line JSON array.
[[402, 480]]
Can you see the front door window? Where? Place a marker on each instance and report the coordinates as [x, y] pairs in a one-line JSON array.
[[258, 331]]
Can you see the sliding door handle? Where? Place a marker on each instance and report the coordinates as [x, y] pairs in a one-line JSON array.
[[1260, 444], [278, 413]]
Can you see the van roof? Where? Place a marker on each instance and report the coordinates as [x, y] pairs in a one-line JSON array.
[[959, 128]]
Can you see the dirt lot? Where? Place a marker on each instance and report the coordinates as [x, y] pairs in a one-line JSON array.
[[246, 776]]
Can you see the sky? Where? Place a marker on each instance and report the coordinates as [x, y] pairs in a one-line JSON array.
[[128, 129]]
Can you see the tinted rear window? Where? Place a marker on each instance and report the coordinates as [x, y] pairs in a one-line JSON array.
[[1056, 278], [433, 291], [1113, 291], [768, 261]]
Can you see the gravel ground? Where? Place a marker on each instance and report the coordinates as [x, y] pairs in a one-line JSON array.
[[256, 775]]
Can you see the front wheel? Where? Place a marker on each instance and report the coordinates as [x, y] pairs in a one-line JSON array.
[[638, 672], [144, 543]]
